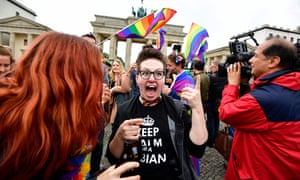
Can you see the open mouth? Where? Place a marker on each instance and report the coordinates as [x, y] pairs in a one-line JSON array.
[[151, 88]]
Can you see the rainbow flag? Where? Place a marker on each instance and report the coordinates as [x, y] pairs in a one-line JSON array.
[[195, 38], [146, 25], [180, 82], [160, 39], [202, 51], [161, 18], [137, 29]]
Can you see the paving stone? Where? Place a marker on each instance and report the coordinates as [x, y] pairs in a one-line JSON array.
[[212, 165]]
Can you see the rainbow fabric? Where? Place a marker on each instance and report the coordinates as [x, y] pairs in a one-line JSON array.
[[146, 25], [202, 51], [160, 39], [195, 38], [180, 82], [161, 19], [82, 172], [137, 29]]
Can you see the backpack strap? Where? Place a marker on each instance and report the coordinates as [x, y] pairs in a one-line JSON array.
[[179, 108]]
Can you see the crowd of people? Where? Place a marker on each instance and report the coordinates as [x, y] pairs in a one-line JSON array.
[[59, 96]]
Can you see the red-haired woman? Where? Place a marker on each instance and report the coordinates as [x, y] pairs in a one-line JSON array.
[[49, 115]]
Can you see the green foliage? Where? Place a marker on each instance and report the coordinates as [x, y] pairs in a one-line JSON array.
[[105, 55]]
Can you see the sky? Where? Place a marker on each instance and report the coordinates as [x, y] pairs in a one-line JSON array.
[[221, 18]]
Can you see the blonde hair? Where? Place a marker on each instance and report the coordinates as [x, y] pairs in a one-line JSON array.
[[122, 69]]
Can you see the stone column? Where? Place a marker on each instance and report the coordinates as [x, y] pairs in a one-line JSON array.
[[12, 43], [149, 41], [164, 48], [29, 39], [99, 38], [113, 48], [0, 37], [128, 53]]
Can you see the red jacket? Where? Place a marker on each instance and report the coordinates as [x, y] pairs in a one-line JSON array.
[[266, 142]]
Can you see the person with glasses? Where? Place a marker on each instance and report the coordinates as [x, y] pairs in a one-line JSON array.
[[166, 135], [266, 120]]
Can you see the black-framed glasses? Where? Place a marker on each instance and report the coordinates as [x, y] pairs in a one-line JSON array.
[[158, 75]]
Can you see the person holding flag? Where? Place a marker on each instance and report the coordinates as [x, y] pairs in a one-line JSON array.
[[166, 135]]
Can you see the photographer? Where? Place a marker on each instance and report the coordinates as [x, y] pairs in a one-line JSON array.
[[267, 119]]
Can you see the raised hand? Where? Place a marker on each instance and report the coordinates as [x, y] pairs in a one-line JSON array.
[[192, 95], [198, 132], [234, 74]]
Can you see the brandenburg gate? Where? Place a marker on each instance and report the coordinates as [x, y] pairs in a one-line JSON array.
[[105, 28]]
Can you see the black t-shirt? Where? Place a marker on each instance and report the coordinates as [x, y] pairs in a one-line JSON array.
[[156, 153]]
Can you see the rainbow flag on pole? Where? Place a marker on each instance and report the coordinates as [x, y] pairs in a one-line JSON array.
[[161, 19], [146, 25], [202, 51], [137, 29], [195, 39]]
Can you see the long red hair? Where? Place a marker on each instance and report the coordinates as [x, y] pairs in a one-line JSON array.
[[50, 108]]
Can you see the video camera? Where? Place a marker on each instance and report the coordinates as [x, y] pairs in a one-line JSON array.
[[239, 53]]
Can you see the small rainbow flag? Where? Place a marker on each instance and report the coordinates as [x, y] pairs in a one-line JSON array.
[[137, 29], [160, 39], [202, 51], [195, 38], [161, 19]]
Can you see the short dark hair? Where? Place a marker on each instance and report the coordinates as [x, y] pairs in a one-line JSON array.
[[147, 46], [198, 65], [284, 49], [90, 35], [148, 53], [177, 59]]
